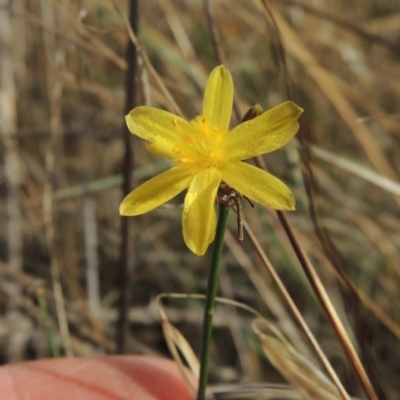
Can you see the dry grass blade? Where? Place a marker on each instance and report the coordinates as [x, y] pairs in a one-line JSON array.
[[55, 58], [326, 82], [358, 170], [349, 25], [380, 314], [310, 382], [296, 313], [305, 377], [329, 309], [8, 119], [266, 292], [142, 53], [70, 38], [175, 340]]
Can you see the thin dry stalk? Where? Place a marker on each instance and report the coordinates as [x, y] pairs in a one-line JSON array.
[[297, 369], [55, 69], [91, 48], [370, 304], [267, 294], [146, 61], [8, 118], [346, 24], [325, 81], [219, 51], [362, 172], [178, 29], [97, 44], [330, 311], [296, 313], [377, 158]]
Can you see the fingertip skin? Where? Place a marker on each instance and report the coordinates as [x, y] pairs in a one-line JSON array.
[[104, 378]]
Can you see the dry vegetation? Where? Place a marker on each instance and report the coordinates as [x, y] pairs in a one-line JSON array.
[[63, 73]]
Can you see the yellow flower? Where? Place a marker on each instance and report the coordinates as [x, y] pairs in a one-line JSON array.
[[205, 153]]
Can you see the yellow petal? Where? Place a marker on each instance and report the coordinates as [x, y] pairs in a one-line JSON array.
[[199, 219], [159, 127], [263, 134], [156, 191], [161, 151], [218, 98], [258, 185]]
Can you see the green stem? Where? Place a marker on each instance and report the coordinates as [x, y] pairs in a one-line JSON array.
[[210, 300]]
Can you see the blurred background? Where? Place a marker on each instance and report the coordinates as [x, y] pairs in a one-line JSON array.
[[76, 279]]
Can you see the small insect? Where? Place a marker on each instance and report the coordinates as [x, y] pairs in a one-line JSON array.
[[229, 197]]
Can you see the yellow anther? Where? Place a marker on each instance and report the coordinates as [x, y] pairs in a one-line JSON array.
[[215, 129], [204, 120], [175, 121]]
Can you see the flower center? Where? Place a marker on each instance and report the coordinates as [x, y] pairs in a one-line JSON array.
[[201, 146]]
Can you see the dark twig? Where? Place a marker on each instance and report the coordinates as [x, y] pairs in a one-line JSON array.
[[126, 259]]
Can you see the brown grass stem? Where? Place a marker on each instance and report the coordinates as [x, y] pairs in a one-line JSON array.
[[126, 263]]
